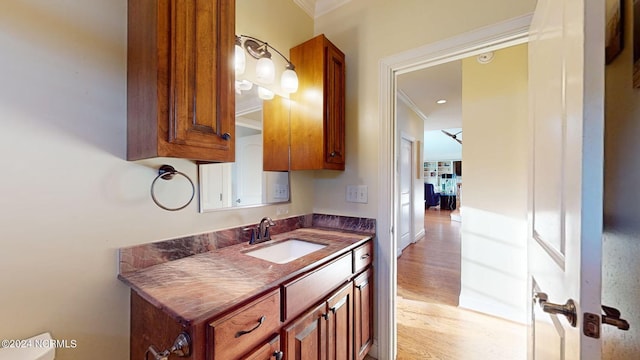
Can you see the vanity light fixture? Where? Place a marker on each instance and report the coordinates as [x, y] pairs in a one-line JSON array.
[[264, 93], [240, 59], [265, 68], [243, 85]]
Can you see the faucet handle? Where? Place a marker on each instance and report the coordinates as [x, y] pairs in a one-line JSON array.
[[253, 230], [268, 220]]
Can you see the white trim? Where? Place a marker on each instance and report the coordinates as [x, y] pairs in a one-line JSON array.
[[325, 6], [508, 33], [317, 8], [309, 6], [422, 233], [489, 38]]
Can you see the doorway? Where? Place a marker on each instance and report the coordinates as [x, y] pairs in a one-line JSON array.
[[492, 280], [505, 34]]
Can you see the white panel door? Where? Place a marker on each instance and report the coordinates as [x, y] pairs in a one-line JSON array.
[[566, 82], [406, 194], [215, 186], [248, 174]]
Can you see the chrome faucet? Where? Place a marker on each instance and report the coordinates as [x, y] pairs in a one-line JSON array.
[[263, 229], [260, 233]]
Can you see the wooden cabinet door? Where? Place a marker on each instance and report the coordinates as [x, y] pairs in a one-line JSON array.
[[305, 338], [268, 351], [180, 95], [201, 106], [335, 107], [340, 324], [363, 313], [318, 123]]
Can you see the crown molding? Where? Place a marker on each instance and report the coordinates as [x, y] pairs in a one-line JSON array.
[[309, 6], [317, 8], [407, 101], [325, 6]]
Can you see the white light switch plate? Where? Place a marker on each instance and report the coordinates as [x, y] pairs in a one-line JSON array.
[[357, 194]]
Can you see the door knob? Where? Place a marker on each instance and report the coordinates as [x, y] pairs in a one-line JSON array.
[[568, 309]]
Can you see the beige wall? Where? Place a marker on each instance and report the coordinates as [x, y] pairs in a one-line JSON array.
[[621, 246], [494, 211], [69, 198], [367, 31]]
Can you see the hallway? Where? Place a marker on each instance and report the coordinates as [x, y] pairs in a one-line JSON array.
[[430, 325]]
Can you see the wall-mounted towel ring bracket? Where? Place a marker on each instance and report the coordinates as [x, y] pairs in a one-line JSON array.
[[166, 172]]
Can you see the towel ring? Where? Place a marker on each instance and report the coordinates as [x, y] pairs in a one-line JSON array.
[[166, 172]]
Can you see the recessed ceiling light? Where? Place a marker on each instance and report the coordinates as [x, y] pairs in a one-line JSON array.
[[441, 101]]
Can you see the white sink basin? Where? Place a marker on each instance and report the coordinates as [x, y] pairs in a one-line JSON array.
[[285, 251]]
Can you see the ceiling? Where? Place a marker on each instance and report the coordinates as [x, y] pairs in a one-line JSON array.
[[422, 88]]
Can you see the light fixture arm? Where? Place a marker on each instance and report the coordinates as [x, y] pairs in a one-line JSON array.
[[258, 48]]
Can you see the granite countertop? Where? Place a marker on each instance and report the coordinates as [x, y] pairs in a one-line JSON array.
[[197, 288]]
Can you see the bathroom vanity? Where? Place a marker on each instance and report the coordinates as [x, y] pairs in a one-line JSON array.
[[234, 305]]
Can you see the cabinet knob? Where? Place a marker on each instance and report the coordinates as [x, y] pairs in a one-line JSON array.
[[226, 136], [278, 355]]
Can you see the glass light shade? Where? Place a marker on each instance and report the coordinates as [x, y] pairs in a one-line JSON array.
[[289, 81], [265, 71], [265, 94], [245, 85], [240, 60]]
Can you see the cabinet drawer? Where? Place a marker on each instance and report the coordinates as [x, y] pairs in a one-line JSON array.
[[243, 330], [267, 351], [309, 289], [362, 256]]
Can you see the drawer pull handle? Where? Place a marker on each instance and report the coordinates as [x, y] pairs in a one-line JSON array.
[[364, 256], [278, 355], [243, 332]]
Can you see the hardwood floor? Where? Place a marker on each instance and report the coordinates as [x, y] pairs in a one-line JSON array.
[[430, 325], [429, 270]]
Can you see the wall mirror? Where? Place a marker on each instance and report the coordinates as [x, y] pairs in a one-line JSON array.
[[243, 183]]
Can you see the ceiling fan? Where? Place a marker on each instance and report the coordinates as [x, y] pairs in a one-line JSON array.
[[453, 136]]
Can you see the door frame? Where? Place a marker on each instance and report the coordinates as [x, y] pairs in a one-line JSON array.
[[504, 34]]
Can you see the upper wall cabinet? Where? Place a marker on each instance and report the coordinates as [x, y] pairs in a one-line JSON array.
[[180, 79], [318, 107]]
